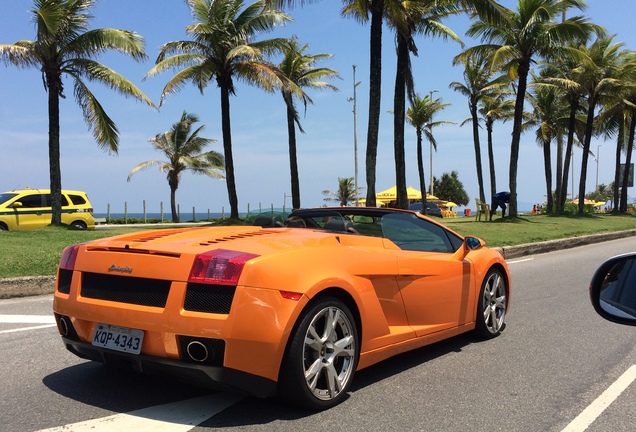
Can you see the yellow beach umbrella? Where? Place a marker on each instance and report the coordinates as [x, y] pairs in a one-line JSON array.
[[387, 195], [391, 194], [413, 193]]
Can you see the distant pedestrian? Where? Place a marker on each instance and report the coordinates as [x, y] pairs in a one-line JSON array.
[[500, 199]]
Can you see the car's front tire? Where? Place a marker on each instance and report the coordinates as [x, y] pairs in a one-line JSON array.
[[321, 357], [492, 305]]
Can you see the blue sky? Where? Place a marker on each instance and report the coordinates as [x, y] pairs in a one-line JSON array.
[[259, 132]]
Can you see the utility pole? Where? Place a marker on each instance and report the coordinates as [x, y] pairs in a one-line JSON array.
[[355, 136]]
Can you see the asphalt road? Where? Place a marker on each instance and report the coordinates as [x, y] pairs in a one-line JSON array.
[[546, 371]]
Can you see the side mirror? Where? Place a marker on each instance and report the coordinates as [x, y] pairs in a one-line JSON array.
[[613, 289], [16, 204], [473, 243]]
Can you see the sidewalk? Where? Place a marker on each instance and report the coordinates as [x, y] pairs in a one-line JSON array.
[[40, 285]]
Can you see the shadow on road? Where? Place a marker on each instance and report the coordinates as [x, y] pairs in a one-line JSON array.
[[122, 391]]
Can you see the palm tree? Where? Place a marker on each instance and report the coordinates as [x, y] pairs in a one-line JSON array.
[[183, 150], [346, 192], [478, 84], [615, 120], [495, 106], [360, 10], [66, 47], [602, 193], [548, 115], [409, 18], [223, 50], [564, 72], [599, 77], [513, 40], [420, 116], [299, 70]]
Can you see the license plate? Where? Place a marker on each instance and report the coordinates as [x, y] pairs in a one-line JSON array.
[[118, 338]]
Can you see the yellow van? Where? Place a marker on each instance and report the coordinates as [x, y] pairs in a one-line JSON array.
[[29, 209]]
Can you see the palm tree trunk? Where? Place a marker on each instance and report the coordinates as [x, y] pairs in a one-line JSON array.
[[491, 159], [589, 127], [375, 80], [620, 141], [547, 165], [524, 68], [173, 202], [399, 110], [293, 160], [628, 161], [480, 175], [227, 150], [574, 107], [54, 86], [420, 169], [559, 167]]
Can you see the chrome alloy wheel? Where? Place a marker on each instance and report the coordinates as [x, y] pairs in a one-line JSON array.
[[494, 302], [329, 353]]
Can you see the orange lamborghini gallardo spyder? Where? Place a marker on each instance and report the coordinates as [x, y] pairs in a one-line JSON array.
[[290, 307]]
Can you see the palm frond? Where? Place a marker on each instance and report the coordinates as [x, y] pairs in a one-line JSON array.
[[95, 42], [95, 71], [21, 54], [143, 166], [103, 128]]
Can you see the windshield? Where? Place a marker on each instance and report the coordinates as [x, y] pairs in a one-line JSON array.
[[6, 197]]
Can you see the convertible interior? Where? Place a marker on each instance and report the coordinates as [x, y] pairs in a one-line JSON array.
[[406, 229]]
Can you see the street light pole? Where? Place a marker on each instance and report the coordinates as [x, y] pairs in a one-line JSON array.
[[355, 136], [430, 185], [598, 148]]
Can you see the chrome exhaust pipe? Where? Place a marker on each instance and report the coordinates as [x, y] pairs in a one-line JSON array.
[[64, 326], [197, 351]]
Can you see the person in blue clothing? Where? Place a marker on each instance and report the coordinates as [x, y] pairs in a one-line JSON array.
[[500, 199]]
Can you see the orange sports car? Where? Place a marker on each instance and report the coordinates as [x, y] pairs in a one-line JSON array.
[[285, 306]]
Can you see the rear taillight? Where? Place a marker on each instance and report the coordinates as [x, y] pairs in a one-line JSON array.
[[67, 262], [219, 266]]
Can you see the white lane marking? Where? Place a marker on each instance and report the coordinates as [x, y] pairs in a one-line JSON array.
[[173, 417], [27, 328], [519, 261], [27, 319], [596, 408], [47, 320]]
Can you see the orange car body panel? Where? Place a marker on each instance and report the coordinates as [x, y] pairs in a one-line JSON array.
[[401, 305]]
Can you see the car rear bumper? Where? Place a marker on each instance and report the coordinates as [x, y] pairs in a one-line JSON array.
[[216, 377]]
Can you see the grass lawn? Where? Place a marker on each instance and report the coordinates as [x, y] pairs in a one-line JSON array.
[[37, 253], [531, 229]]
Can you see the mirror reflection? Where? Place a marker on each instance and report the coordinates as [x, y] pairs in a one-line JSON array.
[[618, 289]]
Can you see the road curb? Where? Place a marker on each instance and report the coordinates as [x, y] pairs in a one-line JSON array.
[[518, 251], [40, 285], [26, 286]]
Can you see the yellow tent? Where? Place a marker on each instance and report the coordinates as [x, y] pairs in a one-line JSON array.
[[391, 194], [386, 196]]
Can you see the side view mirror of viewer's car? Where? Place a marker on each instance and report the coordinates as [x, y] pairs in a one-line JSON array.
[[613, 289]]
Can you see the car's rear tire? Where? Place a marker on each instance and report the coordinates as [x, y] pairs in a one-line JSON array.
[[321, 357], [78, 225], [492, 305]]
